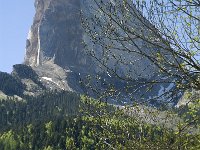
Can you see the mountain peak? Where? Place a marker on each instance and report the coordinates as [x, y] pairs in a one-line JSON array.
[[56, 52], [55, 34]]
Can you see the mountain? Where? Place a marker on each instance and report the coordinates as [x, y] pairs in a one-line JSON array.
[[56, 37], [56, 52], [39, 111], [57, 59]]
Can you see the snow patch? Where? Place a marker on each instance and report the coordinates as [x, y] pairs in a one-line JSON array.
[[67, 70], [46, 78], [51, 80], [108, 74]]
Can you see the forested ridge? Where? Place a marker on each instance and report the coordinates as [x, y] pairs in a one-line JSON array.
[[59, 121], [10, 85], [30, 109], [22, 79]]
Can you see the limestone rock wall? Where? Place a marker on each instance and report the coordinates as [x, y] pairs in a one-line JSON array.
[[55, 51], [56, 34]]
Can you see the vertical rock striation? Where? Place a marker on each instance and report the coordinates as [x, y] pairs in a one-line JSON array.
[[56, 34], [55, 51], [54, 46]]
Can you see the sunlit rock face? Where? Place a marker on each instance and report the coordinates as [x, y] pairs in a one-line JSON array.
[[56, 34], [55, 48]]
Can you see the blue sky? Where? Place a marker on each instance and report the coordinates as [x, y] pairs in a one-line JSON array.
[[16, 17]]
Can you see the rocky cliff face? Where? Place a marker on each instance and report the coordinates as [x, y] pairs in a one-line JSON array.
[[54, 44], [56, 34], [55, 51]]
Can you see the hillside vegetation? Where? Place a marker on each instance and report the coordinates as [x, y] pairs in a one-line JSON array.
[[59, 121]]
